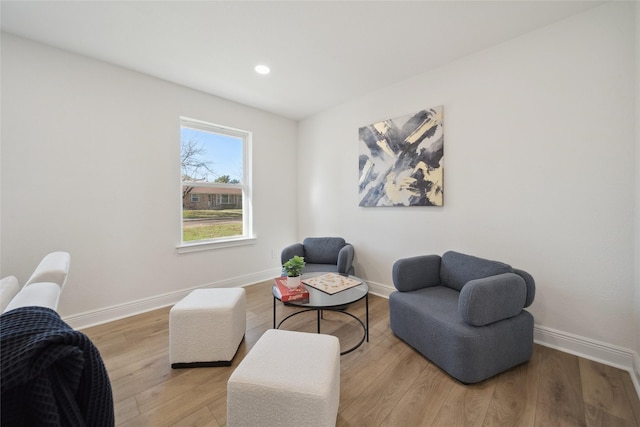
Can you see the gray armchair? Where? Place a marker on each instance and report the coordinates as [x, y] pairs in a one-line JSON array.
[[463, 313], [330, 254]]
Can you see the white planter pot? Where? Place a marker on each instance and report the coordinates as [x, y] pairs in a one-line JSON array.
[[293, 282]]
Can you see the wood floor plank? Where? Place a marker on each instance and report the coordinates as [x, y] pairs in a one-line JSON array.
[[466, 405], [200, 418], [359, 369], [375, 403], [560, 401], [142, 375], [218, 408], [180, 381], [135, 352], [422, 402], [383, 382], [632, 395], [516, 395], [178, 408], [598, 417], [602, 387], [125, 410]]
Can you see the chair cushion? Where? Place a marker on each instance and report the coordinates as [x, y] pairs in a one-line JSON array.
[[322, 250], [457, 269]]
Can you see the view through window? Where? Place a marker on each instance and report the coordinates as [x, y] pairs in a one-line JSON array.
[[214, 182]]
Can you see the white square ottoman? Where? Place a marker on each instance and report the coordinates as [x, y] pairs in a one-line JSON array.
[[206, 327], [287, 379]]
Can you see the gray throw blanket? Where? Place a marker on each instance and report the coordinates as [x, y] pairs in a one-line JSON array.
[[51, 374]]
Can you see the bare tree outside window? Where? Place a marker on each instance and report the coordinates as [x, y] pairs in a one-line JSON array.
[[193, 166]]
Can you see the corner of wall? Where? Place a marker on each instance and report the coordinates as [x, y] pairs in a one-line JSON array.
[[635, 374]]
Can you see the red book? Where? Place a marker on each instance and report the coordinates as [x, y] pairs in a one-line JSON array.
[[287, 294]]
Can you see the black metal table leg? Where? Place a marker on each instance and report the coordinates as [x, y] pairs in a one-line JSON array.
[[366, 301]]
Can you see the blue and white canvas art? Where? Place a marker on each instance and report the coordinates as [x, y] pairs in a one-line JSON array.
[[401, 161]]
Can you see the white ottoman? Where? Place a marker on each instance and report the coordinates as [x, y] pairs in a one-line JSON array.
[[206, 327], [287, 379]]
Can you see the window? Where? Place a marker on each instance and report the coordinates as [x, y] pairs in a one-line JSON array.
[[215, 185]]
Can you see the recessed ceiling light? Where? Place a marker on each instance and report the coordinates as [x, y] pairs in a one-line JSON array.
[[262, 69]]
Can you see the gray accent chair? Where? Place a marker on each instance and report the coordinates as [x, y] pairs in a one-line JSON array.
[[330, 254], [465, 314]]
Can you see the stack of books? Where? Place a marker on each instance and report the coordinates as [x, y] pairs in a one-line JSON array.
[[286, 294]]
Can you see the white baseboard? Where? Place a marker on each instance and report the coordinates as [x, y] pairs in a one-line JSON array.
[[380, 289], [584, 347], [588, 348], [109, 314]]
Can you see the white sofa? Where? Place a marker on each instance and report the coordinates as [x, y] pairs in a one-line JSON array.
[[51, 374], [43, 287]]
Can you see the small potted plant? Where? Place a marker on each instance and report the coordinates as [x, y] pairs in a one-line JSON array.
[[293, 269]]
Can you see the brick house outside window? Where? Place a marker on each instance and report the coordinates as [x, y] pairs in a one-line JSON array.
[[203, 198]]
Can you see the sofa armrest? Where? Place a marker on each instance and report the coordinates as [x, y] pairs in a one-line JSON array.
[[53, 268], [9, 288], [494, 298], [531, 285], [290, 251], [345, 259], [45, 294], [410, 274]]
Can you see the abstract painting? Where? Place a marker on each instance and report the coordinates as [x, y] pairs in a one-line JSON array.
[[401, 161]]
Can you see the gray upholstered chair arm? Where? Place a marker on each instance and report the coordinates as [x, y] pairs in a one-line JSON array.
[[531, 285], [487, 300], [410, 274], [345, 258], [291, 250]]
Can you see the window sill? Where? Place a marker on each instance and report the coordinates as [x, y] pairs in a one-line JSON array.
[[211, 245]]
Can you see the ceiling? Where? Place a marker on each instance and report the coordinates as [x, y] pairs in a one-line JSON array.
[[321, 53]]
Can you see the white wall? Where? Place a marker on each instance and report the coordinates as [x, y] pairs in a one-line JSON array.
[[539, 170], [90, 165]]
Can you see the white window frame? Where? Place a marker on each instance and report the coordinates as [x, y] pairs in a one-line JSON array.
[[245, 186]]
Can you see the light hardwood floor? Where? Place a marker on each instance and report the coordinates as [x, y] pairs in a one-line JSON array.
[[383, 383]]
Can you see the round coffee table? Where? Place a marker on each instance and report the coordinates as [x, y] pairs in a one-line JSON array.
[[320, 301]]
